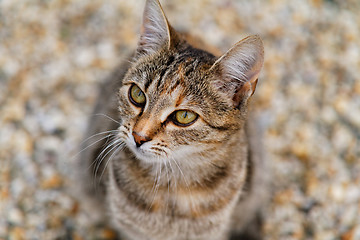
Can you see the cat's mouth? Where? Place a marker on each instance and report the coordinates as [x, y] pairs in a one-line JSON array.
[[147, 152]]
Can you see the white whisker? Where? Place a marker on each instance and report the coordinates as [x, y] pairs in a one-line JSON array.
[[109, 135], [104, 115], [186, 183], [153, 189], [114, 145], [118, 147], [168, 185], [111, 146], [97, 134], [173, 172], [157, 183]]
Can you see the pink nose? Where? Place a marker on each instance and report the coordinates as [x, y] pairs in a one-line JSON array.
[[140, 139]]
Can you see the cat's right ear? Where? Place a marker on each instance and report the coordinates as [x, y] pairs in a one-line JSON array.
[[156, 31]]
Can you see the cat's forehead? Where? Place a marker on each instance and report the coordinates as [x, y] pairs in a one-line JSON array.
[[169, 69]]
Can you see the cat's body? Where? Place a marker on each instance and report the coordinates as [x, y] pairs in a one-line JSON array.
[[183, 162]]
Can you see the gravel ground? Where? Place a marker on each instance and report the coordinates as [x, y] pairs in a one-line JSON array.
[[54, 53]]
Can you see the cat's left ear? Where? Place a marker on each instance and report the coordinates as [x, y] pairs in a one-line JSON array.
[[156, 31], [237, 71]]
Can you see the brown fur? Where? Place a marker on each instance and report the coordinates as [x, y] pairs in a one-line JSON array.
[[182, 182]]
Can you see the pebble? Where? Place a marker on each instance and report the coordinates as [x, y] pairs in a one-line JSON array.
[[15, 216], [54, 181], [17, 233]]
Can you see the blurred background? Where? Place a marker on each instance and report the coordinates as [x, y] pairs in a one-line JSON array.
[[54, 53]]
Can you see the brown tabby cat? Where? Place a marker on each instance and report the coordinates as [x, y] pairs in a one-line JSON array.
[[178, 161]]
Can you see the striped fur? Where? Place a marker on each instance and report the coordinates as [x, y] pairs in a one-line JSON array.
[[183, 183]]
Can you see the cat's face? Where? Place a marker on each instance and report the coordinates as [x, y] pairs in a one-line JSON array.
[[178, 102], [170, 110]]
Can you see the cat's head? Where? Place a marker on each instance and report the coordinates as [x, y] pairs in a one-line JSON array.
[[177, 101]]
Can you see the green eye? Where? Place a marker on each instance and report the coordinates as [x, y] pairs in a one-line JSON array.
[[136, 96], [184, 118]]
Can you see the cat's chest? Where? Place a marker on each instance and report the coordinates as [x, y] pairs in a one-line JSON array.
[[169, 214], [174, 196], [158, 196]]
